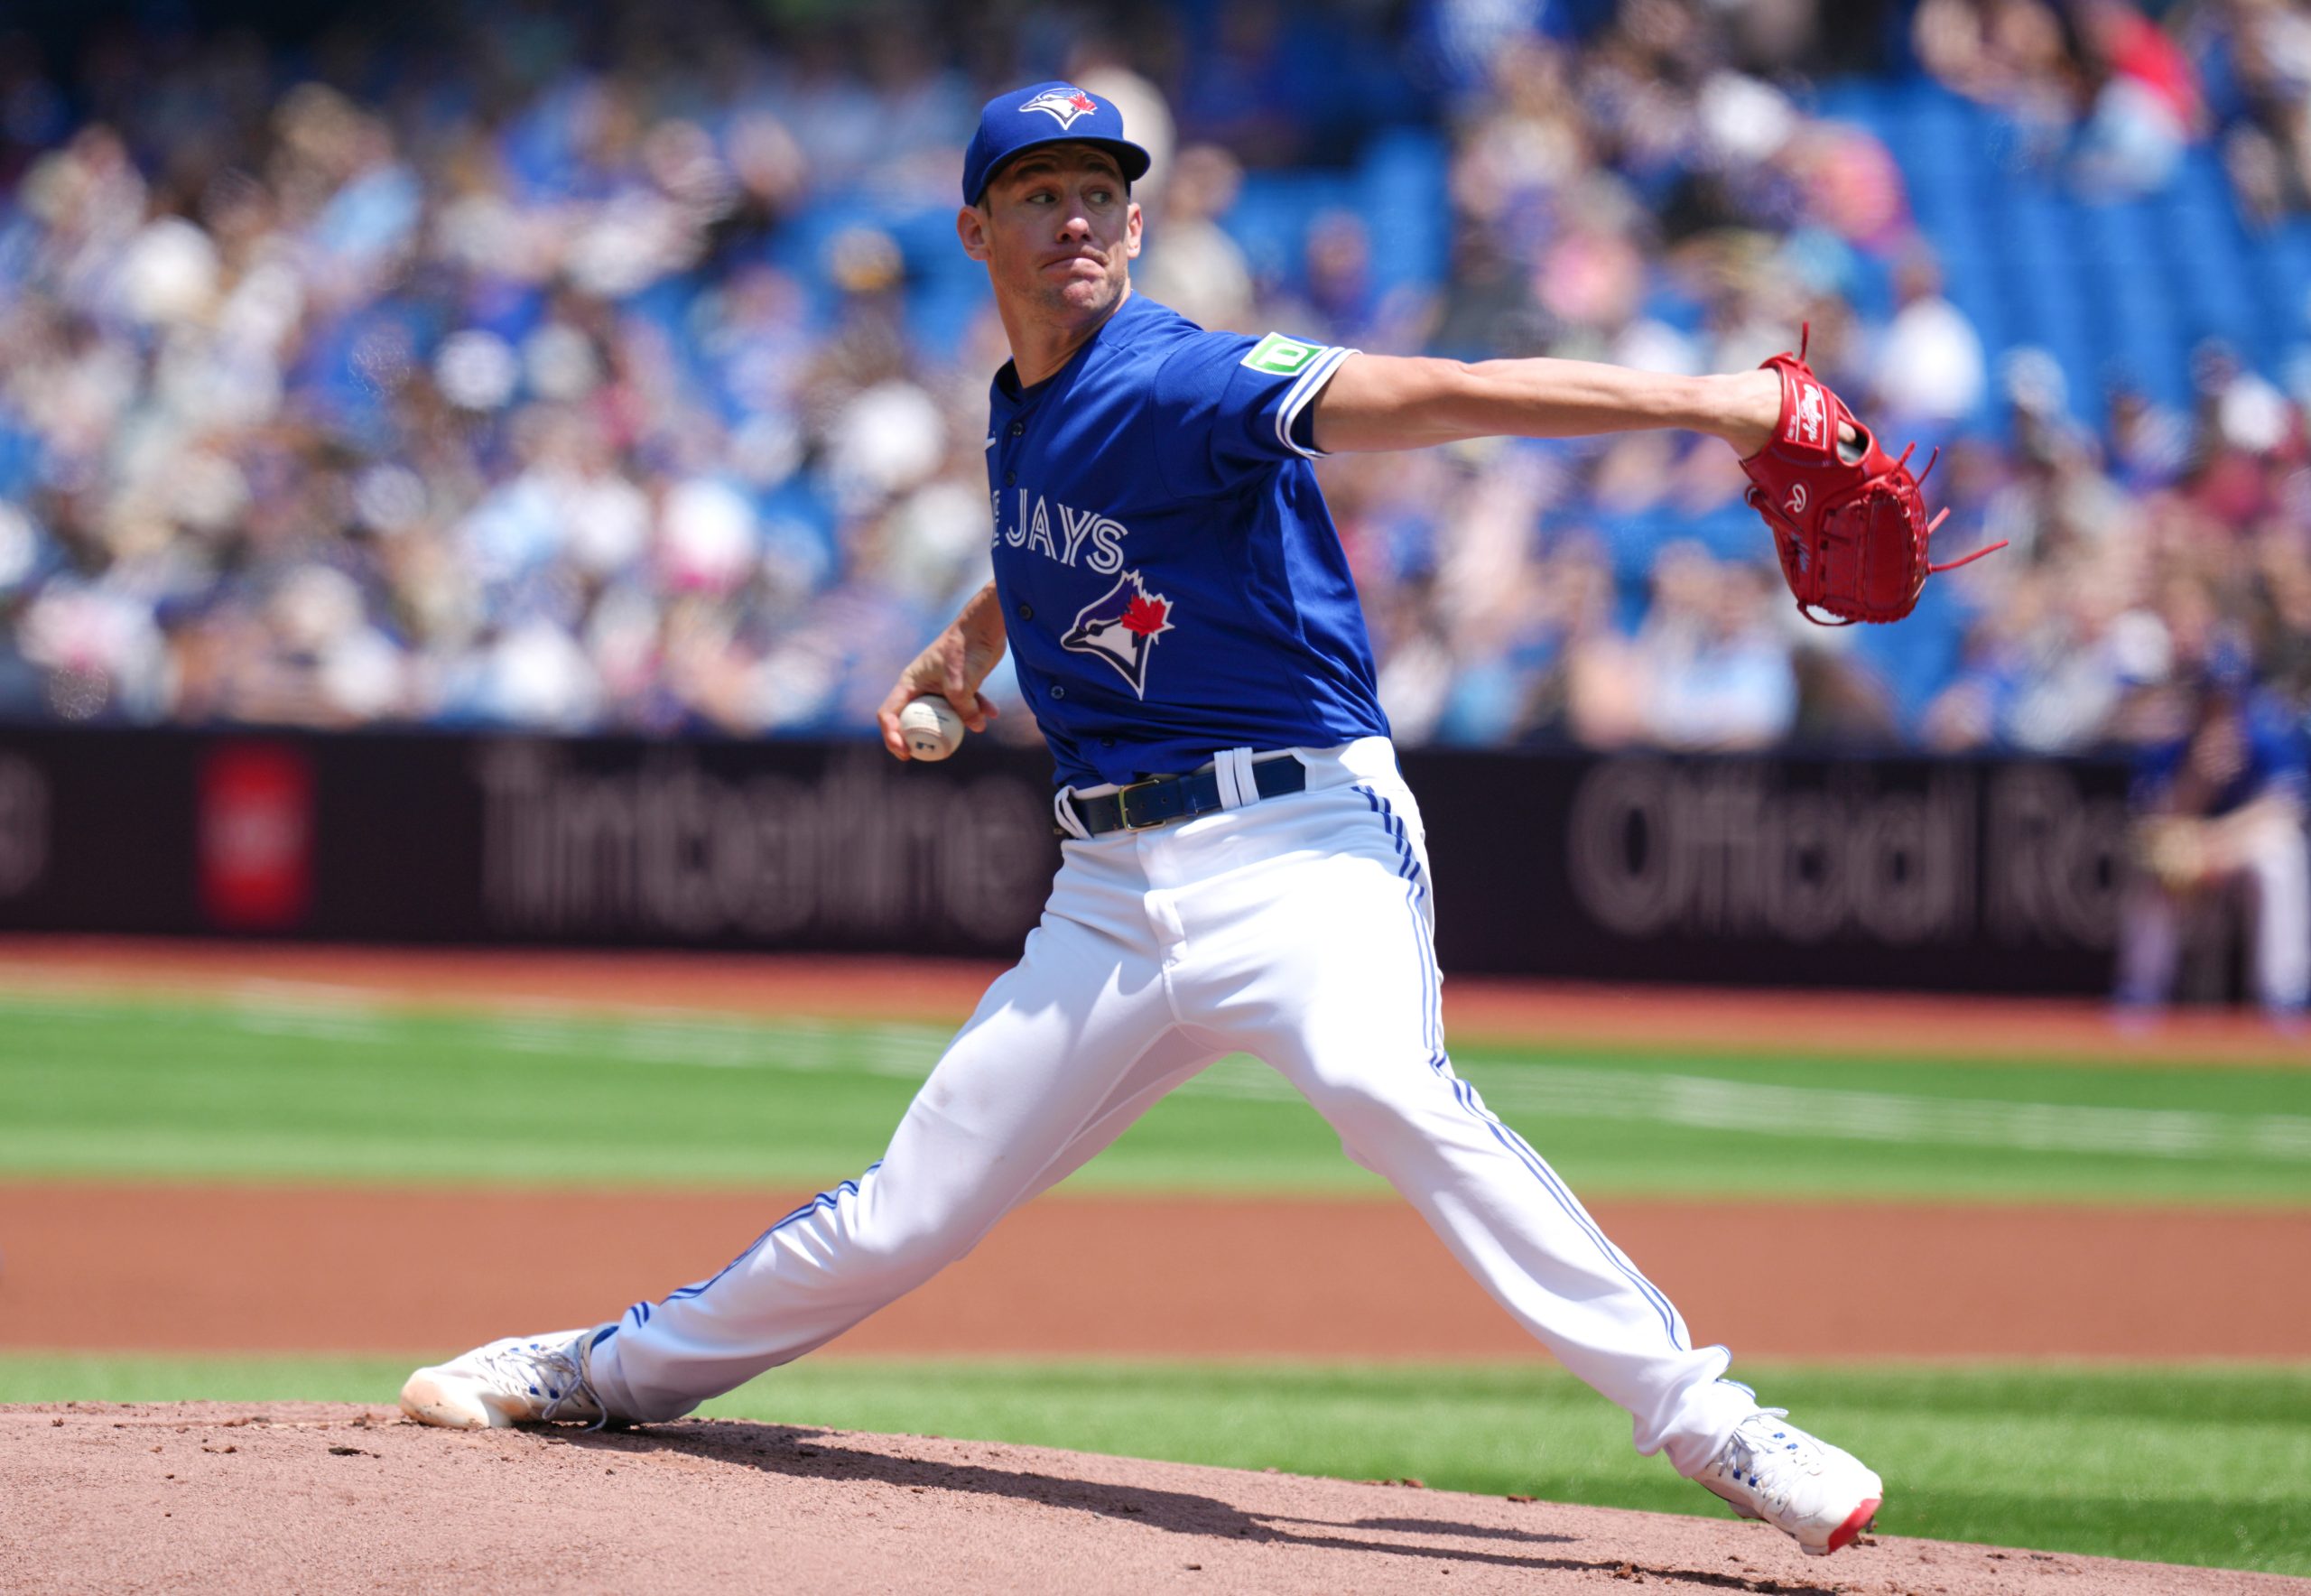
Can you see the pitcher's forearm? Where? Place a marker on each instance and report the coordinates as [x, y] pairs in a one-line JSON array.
[[1375, 402], [982, 620], [960, 658]]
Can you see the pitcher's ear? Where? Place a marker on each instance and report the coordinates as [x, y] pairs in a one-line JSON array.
[[971, 229]]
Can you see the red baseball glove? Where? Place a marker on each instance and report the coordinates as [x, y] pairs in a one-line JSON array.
[[1847, 519]]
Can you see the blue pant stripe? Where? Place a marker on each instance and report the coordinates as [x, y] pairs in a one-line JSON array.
[[1432, 1018], [1434, 976], [1431, 1030], [1621, 1261], [1415, 895], [1540, 1170], [1428, 1037], [826, 1200], [1378, 805], [1404, 837]]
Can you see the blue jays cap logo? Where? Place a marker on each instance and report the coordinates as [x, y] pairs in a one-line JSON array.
[[1063, 104], [1121, 629], [1050, 113]]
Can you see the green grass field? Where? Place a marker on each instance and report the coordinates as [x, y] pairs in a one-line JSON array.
[[245, 1090], [2193, 1464]]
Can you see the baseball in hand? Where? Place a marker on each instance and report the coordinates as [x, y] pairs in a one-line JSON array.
[[930, 728]]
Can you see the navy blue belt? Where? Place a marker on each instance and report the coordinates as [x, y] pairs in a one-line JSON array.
[[1160, 800]]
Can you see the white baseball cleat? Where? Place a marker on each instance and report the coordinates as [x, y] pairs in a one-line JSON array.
[[1772, 1470], [520, 1380]]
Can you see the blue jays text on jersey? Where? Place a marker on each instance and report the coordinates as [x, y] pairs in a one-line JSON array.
[[1171, 583]]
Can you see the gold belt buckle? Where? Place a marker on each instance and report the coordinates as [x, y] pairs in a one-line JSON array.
[[1123, 803]]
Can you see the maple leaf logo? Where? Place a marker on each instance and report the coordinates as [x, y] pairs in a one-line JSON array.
[[1146, 615], [1083, 102]]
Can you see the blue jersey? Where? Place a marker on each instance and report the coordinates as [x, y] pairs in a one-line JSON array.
[[2270, 760], [1172, 583]]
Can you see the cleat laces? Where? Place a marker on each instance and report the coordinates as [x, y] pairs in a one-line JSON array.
[[1768, 1459], [556, 1377]]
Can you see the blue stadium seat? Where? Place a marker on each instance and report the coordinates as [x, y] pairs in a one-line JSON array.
[[2108, 287]]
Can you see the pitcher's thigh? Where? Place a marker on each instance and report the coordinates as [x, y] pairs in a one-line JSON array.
[[1045, 1051], [1340, 993]]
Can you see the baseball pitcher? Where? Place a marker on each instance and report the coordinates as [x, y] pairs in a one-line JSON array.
[[1243, 868]]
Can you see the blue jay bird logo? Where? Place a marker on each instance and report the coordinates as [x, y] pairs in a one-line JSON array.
[[1062, 105], [1122, 628]]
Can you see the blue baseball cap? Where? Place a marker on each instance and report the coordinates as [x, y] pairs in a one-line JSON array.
[[1045, 114]]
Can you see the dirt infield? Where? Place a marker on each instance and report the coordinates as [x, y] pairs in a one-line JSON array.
[[944, 990], [199, 1269], [119, 1499]]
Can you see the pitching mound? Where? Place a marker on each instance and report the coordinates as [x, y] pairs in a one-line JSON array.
[[206, 1495]]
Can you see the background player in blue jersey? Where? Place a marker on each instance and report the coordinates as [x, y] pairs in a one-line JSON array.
[[1244, 869], [2218, 798]]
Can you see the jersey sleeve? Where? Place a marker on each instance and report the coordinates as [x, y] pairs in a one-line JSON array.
[[1224, 406]]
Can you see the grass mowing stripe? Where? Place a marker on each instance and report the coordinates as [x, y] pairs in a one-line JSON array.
[[253, 1088], [2197, 1464], [1844, 1115]]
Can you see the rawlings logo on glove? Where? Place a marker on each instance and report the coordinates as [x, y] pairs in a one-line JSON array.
[[1847, 519]]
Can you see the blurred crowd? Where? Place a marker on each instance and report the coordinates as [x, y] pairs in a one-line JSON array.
[[2123, 94], [615, 373]]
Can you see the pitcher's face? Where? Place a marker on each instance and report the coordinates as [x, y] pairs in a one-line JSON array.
[[1057, 229]]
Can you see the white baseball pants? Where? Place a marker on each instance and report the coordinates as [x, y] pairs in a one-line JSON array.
[[1296, 929], [2275, 861]]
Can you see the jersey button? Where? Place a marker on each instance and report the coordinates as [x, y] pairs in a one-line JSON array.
[[1018, 428], [1057, 691], [1010, 479], [1026, 612], [1107, 742]]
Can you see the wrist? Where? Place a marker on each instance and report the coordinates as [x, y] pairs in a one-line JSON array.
[[1744, 408]]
